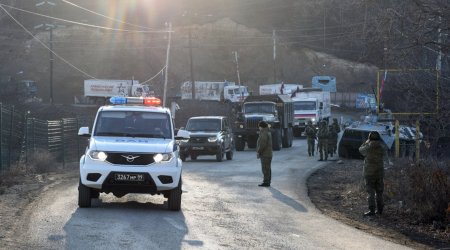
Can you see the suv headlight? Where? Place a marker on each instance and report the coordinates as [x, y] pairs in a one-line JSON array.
[[97, 155], [163, 157], [212, 139]]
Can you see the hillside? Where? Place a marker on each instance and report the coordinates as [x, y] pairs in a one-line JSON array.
[[106, 56]]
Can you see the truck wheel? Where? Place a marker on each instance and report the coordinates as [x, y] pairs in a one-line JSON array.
[[219, 155], [297, 132], [285, 138], [193, 157], [84, 195], [251, 141], [276, 140], [240, 144], [174, 200], [291, 136]]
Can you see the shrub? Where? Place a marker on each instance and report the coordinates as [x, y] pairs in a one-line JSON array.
[[423, 188], [41, 161]]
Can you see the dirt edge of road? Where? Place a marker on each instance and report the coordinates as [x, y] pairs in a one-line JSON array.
[[337, 191], [330, 189]]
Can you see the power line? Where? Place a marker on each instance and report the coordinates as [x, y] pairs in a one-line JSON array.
[[43, 44], [153, 77], [80, 23], [107, 17]]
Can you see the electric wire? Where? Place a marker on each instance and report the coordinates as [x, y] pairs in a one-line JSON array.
[[43, 44], [82, 24], [153, 77], [107, 17]]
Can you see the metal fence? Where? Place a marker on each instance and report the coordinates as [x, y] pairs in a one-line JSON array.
[[23, 137]]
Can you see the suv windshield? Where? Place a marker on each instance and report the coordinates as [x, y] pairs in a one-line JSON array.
[[133, 124], [259, 108], [203, 125]]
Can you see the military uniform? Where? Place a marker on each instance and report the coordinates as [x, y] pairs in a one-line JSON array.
[[374, 152], [310, 132], [322, 144], [332, 140], [264, 151], [337, 129]]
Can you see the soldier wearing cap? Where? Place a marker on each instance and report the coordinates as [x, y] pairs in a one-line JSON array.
[[264, 152], [310, 133]]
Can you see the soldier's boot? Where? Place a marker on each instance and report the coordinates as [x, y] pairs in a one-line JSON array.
[[369, 213]]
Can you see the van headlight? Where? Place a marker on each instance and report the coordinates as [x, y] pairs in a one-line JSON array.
[[163, 157], [97, 155]]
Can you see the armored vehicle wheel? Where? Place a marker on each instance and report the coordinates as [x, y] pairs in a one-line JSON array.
[[174, 200], [84, 195]]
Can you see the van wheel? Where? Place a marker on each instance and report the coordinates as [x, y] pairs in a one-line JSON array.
[[174, 200], [84, 195]]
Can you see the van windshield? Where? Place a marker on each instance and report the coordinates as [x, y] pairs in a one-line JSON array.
[[133, 124]]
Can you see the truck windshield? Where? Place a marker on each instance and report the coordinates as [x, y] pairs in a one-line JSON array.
[[305, 105], [203, 125], [259, 108], [133, 124]]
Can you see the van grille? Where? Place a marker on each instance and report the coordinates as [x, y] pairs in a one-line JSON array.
[[130, 159]]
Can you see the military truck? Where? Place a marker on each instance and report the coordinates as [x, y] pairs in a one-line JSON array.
[[276, 110]]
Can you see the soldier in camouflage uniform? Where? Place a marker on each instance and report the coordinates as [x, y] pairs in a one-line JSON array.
[[374, 151], [322, 144], [337, 129], [310, 132], [264, 152], [332, 140]]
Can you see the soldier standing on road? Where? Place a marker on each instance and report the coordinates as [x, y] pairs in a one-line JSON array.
[[322, 144], [310, 132], [374, 152], [264, 152], [332, 140], [337, 129]]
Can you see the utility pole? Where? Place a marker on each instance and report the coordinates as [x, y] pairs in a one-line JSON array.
[[274, 56], [167, 63], [237, 68], [191, 64], [50, 28]]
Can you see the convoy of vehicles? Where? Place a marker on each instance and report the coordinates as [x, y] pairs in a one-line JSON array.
[[214, 91], [132, 149], [310, 104], [276, 110], [209, 135], [97, 91], [280, 88]]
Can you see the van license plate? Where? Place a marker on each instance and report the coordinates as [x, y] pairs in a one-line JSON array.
[[129, 177]]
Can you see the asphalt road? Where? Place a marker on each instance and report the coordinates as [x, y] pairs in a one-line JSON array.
[[222, 208]]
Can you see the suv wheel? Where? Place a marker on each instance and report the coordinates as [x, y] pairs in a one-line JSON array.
[[84, 195], [219, 155], [230, 153], [174, 201], [183, 157]]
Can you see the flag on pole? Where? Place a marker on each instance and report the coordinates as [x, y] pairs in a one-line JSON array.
[[382, 83]]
